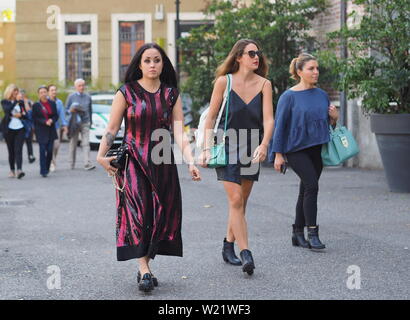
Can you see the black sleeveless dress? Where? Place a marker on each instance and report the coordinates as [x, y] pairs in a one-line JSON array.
[[244, 134]]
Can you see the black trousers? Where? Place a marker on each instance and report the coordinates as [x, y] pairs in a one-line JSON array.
[[307, 164], [15, 142], [46, 155], [29, 143]]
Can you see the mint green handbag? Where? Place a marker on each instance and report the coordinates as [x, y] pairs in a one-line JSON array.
[[218, 153], [342, 146]]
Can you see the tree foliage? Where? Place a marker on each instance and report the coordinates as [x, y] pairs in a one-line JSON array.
[[280, 27], [378, 65]]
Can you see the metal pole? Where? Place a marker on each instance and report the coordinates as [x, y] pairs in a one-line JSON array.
[[177, 36], [343, 55]]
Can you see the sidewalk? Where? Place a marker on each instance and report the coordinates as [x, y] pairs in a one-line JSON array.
[[68, 220]]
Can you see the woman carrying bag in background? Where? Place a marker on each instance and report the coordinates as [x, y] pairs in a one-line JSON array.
[[13, 129], [302, 123], [45, 116]]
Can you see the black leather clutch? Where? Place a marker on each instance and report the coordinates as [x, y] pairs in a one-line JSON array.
[[121, 154]]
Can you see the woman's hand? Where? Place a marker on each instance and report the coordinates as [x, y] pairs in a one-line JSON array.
[[105, 162], [333, 114], [279, 161], [204, 158], [260, 153], [194, 171]]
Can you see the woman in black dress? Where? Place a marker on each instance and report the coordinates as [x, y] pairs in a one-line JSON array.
[[250, 126]]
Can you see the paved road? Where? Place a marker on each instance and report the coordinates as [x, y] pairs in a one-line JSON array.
[[67, 220]]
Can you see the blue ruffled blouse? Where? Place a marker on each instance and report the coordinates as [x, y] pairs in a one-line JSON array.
[[302, 121]]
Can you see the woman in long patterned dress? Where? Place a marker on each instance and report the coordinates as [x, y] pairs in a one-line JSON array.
[[149, 209]]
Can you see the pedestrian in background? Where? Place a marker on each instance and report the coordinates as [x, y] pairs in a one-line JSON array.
[[250, 110], [13, 129], [28, 123], [45, 116], [61, 124], [149, 207], [79, 105], [302, 123]]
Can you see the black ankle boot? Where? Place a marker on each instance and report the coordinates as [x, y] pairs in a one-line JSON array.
[[298, 237], [313, 238], [247, 261], [146, 284], [228, 254]]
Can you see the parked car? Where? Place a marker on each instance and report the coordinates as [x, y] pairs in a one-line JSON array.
[[102, 98], [102, 102], [100, 117]]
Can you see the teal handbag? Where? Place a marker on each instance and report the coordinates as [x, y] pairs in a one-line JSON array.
[[218, 153], [342, 146]]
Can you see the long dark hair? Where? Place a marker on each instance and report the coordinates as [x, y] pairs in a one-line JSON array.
[[168, 75]]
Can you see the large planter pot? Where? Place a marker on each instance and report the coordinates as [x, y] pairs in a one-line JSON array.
[[393, 138]]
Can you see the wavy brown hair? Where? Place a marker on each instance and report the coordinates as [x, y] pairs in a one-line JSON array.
[[231, 65]]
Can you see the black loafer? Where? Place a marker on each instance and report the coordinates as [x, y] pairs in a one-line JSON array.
[[146, 284], [154, 279]]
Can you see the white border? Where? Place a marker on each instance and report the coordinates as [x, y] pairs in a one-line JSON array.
[[63, 39], [115, 48], [171, 17]]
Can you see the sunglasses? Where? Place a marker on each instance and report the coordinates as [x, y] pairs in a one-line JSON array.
[[252, 53]]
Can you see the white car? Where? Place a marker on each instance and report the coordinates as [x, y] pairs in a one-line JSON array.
[[101, 116], [102, 98]]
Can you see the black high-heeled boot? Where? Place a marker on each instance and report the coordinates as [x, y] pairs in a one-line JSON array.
[[154, 279], [298, 237], [146, 284], [313, 238], [247, 261], [228, 254]]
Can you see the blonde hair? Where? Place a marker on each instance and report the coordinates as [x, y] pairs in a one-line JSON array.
[[298, 64], [231, 65], [8, 93]]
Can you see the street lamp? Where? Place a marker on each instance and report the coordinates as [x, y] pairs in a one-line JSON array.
[[343, 55], [177, 36]]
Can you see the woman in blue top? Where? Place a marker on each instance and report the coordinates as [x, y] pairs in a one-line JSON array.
[[302, 125]]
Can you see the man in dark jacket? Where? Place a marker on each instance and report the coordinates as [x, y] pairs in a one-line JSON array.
[[44, 117]]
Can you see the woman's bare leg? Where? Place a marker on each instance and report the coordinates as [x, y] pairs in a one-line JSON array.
[[246, 191], [237, 219]]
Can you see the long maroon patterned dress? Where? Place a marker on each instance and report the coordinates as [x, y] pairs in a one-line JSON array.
[[149, 211]]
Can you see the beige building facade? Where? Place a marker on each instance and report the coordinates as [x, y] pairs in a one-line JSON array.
[[7, 53], [60, 40]]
